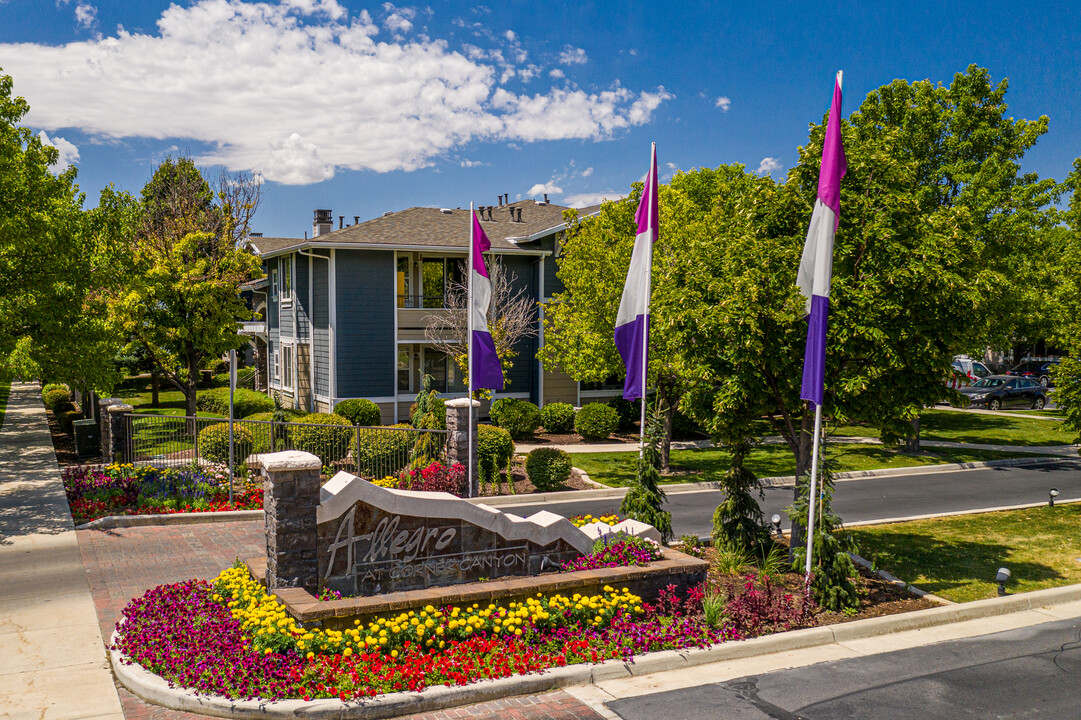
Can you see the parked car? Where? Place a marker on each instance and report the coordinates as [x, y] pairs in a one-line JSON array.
[[1004, 391], [1038, 370], [973, 369]]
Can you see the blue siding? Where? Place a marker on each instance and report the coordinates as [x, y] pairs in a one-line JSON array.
[[523, 376], [364, 318], [273, 333], [302, 301], [321, 326]]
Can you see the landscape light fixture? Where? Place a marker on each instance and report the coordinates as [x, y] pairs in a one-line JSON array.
[[776, 520], [1002, 578], [1051, 495]]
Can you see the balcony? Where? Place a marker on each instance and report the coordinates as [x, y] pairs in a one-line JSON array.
[[422, 302], [253, 328]]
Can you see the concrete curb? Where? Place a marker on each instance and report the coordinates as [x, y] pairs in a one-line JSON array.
[[156, 690], [894, 580], [122, 521]]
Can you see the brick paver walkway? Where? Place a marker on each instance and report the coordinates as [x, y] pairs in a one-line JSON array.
[[126, 562]]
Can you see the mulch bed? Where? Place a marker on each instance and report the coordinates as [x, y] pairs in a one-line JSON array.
[[877, 596], [522, 486], [64, 445]]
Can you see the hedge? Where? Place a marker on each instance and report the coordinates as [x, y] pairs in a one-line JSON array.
[[214, 443], [520, 418], [245, 402], [495, 448], [596, 421], [548, 468], [630, 412], [558, 417], [360, 412], [385, 451], [58, 399], [331, 442]]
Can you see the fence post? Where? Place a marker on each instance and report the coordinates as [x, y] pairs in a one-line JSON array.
[[115, 448], [290, 501], [458, 439]]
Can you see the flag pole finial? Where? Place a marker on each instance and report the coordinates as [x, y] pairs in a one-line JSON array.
[[840, 78]]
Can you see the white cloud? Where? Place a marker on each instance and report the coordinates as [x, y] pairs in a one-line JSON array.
[[556, 73], [68, 153], [723, 103], [587, 172], [582, 200], [298, 89], [573, 56], [511, 37], [470, 163], [398, 20], [768, 165], [86, 15], [541, 188]]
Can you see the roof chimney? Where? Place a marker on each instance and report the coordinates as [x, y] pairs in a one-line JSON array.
[[323, 223]]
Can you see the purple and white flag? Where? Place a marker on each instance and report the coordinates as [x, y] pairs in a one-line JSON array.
[[487, 371], [816, 266], [632, 320]]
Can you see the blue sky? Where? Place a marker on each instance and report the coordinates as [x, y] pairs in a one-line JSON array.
[[363, 107]]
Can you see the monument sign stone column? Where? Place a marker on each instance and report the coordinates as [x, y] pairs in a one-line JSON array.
[[290, 502], [458, 438]]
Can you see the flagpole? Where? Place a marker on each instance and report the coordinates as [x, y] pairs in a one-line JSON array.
[[469, 349], [650, 184], [811, 494]]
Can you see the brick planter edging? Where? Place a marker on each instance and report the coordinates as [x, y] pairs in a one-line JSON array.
[[154, 689], [675, 568]]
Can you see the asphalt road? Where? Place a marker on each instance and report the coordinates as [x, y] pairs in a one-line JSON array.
[[1032, 672], [879, 498]]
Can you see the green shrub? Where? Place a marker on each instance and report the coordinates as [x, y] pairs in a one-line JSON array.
[[245, 402], [630, 412], [520, 418], [495, 448], [557, 417], [548, 468], [54, 386], [261, 433], [324, 434], [214, 443], [57, 399], [384, 451], [65, 418], [596, 421], [362, 412]]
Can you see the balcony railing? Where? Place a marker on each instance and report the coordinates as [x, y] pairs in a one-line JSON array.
[[417, 302], [252, 327]]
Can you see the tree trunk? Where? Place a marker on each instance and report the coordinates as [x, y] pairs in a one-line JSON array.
[[912, 442], [155, 389]]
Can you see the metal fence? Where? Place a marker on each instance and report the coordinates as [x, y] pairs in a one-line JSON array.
[[370, 452]]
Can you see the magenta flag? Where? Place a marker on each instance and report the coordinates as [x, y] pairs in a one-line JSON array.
[[632, 320], [816, 265], [487, 371]]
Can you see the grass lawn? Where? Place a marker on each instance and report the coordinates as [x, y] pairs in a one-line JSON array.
[[957, 557], [135, 391], [617, 469], [956, 426], [5, 389]]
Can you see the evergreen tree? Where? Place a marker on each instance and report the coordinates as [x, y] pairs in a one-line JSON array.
[[644, 499], [737, 521]]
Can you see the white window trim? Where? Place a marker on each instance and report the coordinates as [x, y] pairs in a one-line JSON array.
[[274, 284], [289, 387]]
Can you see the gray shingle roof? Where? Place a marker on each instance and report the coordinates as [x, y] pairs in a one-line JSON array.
[[435, 227]]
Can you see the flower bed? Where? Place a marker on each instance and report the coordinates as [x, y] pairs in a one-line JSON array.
[[234, 640], [127, 490], [627, 552], [435, 477], [583, 520]]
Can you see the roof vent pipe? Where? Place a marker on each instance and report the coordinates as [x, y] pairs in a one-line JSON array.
[[500, 201], [546, 197], [356, 219], [490, 209], [341, 221], [519, 214]]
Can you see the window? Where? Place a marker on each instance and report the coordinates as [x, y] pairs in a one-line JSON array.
[[287, 366], [439, 277], [287, 278], [275, 367], [613, 382], [405, 281], [274, 283], [446, 375], [405, 370]]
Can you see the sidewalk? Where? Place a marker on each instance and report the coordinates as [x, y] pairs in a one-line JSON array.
[[54, 665]]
